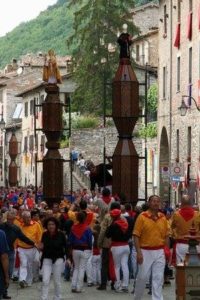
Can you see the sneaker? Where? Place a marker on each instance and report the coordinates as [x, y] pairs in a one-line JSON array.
[[118, 290], [90, 284], [23, 284], [112, 286], [15, 278], [125, 290], [101, 287]]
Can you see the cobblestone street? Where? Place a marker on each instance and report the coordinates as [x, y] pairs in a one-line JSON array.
[[90, 293]]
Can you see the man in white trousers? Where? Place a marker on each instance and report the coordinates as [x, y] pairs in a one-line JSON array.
[[27, 253], [151, 237], [182, 220]]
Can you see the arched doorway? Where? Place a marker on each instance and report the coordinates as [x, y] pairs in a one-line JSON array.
[[164, 167]]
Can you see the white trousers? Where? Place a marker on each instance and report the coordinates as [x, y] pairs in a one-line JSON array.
[[96, 269], [80, 259], [26, 257], [36, 266], [181, 250], [153, 261], [89, 271], [47, 268], [120, 257]]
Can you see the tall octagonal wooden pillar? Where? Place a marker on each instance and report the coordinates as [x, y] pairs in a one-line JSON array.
[[125, 107], [52, 161]]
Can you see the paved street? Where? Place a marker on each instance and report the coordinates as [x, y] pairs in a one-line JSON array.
[[32, 293]]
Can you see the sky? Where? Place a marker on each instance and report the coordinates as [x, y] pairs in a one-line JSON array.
[[14, 12]]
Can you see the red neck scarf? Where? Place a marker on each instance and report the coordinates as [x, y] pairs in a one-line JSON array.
[[79, 229], [89, 217], [106, 199], [187, 213], [123, 224], [131, 213]]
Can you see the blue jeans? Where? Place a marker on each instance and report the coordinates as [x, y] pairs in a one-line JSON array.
[[11, 258], [67, 272], [2, 286]]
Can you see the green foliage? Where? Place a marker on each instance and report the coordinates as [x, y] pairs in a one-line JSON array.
[[96, 25], [142, 2], [85, 122], [49, 30], [149, 131], [109, 123], [64, 143], [152, 98]]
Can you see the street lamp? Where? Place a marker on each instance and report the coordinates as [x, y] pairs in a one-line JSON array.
[[184, 108]]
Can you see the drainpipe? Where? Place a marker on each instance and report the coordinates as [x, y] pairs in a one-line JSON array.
[[170, 95]]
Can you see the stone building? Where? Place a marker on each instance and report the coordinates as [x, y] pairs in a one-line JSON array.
[[179, 74], [145, 44]]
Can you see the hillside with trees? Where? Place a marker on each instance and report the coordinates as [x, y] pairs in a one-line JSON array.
[[50, 29]]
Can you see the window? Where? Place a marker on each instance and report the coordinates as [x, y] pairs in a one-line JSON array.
[[190, 5], [137, 52], [41, 101], [177, 143], [42, 145], [26, 109], [164, 82], [189, 142], [178, 73], [165, 19], [31, 143], [25, 144], [190, 65], [179, 10], [36, 142], [32, 107]]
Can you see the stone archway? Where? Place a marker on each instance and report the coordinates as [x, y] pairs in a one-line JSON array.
[[164, 166]]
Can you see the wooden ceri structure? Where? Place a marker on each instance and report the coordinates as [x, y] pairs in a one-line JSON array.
[[52, 161], [125, 112], [13, 152], [188, 272]]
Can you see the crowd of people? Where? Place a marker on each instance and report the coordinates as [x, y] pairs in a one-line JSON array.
[[91, 239]]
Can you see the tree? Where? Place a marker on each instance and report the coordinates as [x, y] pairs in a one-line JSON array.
[[142, 2], [152, 98], [96, 25]]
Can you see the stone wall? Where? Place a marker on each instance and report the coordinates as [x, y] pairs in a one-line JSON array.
[[145, 17], [90, 143]]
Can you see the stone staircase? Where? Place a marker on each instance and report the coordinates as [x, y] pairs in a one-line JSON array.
[[80, 180]]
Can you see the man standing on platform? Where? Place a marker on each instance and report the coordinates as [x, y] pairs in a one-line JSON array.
[[182, 220], [151, 237]]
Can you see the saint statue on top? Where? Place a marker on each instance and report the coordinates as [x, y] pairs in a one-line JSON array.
[[125, 41], [51, 73]]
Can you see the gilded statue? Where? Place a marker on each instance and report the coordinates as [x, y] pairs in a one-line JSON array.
[[51, 73]]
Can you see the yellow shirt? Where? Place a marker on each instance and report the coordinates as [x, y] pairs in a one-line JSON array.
[[90, 219], [18, 221], [180, 226], [151, 232], [32, 231]]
